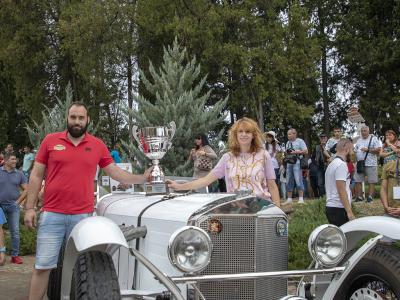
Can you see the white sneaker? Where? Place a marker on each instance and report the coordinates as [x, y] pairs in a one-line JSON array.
[[287, 202], [301, 202]]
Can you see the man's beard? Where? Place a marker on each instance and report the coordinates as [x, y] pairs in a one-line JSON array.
[[77, 131]]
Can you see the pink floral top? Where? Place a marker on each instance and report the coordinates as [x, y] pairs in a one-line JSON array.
[[247, 171]]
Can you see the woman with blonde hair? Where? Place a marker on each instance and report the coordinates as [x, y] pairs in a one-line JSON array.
[[246, 167]]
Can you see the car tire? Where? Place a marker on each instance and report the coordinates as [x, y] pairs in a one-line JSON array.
[[378, 271], [94, 277], [54, 285]]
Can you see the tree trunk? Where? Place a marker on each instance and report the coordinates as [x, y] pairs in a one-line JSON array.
[[325, 98]]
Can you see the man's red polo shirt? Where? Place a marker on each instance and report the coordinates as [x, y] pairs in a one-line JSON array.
[[70, 172]]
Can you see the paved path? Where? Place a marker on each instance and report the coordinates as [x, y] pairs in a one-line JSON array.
[[14, 279]]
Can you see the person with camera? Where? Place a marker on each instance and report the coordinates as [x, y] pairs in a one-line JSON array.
[[295, 150], [367, 150], [330, 146]]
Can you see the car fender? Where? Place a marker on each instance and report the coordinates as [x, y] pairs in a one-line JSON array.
[[356, 229], [93, 233]]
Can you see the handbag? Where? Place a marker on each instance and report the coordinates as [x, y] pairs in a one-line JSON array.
[[203, 163], [360, 165]]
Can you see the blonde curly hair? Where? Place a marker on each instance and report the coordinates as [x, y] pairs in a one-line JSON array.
[[246, 124]]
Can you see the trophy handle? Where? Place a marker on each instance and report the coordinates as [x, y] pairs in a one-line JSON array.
[[172, 131], [135, 135]]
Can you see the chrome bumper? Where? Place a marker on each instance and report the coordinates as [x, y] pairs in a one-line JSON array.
[[224, 277]]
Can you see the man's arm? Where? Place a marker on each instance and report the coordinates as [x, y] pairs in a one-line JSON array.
[[35, 183], [341, 188], [123, 176], [21, 197]]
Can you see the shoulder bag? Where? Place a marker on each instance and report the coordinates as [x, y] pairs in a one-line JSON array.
[[203, 163], [360, 166]]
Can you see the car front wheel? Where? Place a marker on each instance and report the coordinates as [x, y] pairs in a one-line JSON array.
[[376, 276], [94, 277]]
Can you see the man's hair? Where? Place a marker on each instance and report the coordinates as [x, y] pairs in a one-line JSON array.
[[364, 127], [292, 129], [337, 128], [342, 144], [79, 104], [8, 155]]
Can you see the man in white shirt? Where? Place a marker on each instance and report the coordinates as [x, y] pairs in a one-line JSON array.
[[368, 143], [337, 184]]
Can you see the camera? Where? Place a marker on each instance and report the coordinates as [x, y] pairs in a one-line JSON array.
[[290, 150]]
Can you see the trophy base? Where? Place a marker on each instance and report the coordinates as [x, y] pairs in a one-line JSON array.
[[160, 188]]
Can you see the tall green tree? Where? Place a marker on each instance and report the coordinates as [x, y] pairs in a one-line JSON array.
[[178, 94], [257, 52], [368, 42]]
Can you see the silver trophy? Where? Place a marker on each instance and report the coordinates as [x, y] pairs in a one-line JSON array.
[[154, 142]]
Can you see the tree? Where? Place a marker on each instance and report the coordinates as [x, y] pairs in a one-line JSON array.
[[368, 43], [177, 95]]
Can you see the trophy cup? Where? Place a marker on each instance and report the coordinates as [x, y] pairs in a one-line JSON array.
[[154, 142]]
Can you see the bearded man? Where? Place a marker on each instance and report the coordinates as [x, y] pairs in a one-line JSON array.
[[69, 160]]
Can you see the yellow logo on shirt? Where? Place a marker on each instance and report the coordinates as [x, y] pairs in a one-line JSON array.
[[59, 147]]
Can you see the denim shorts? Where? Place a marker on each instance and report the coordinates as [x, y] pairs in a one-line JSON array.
[[53, 229]]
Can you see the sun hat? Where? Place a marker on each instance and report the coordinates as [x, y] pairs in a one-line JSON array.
[[271, 133]]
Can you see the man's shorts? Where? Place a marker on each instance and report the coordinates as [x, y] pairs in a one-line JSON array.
[[53, 229], [2, 217], [370, 172]]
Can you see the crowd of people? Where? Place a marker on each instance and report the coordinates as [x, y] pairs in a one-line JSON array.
[[254, 162], [335, 168]]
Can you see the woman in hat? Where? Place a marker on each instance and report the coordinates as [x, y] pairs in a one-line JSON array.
[[246, 167], [273, 148]]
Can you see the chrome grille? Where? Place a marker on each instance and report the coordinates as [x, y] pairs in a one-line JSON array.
[[271, 255], [241, 247]]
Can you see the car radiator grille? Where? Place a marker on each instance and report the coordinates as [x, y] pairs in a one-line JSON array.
[[245, 244]]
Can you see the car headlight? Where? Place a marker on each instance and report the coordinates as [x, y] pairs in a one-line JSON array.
[[327, 244], [189, 249]]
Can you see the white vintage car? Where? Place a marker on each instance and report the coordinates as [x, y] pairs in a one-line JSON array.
[[219, 246]]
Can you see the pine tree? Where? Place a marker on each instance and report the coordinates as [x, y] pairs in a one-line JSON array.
[[178, 95]]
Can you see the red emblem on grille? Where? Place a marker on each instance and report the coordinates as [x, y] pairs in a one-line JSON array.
[[214, 226]]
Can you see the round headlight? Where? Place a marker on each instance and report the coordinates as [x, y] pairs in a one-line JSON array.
[[327, 244], [189, 249]]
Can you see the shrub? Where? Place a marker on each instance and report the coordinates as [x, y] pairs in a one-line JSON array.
[[304, 219]]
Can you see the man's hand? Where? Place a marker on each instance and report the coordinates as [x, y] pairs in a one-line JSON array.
[[350, 215], [30, 218], [364, 149]]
